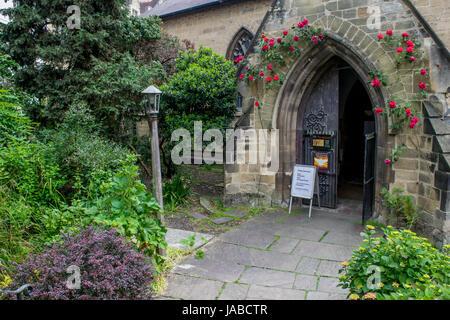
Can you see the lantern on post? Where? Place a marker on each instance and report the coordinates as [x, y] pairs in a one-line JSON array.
[[152, 98]]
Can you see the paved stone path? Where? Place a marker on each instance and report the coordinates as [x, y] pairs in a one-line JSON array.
[[271, 256]]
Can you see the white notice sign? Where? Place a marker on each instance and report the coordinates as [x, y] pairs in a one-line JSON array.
[[303, 181]]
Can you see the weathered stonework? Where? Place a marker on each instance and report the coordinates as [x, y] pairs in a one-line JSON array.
[[216, 27], [346, 24], [423, 170]]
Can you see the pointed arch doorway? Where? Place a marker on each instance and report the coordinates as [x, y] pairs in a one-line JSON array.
[[325, 118], [333, 126]]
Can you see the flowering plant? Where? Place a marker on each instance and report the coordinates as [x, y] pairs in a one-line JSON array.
[[378, 79], [274, 52], [388, 267]]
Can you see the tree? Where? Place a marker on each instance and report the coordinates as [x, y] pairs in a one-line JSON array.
[[95, 64], [203, 89]]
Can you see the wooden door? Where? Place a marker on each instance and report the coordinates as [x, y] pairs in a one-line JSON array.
[[319, 116]]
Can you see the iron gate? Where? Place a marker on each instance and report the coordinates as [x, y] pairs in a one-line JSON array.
[[369, 176], [320, 150]]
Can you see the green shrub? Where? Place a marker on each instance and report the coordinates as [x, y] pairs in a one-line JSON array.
[[88, 158], [126, 205], [203, 89], [407, 266], [13, 123], [30, 170], [176, 192], [401, 207]]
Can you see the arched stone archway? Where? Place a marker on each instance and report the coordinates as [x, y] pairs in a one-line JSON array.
[[289, 108]]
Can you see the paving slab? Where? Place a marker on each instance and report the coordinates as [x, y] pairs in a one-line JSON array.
[[323, 251], [234, 291], [174, 236], [317, 295], [205, 203], [329, 268], [222, 220], [270, 293], [210, 269], [238, 213], [256, 239], [189, 288], [330, 285], [298, 232], [273, 256], [284, 245], [305, 282], [252, 257], [308, 265], [348, 239], [267, 277], [197, 215]]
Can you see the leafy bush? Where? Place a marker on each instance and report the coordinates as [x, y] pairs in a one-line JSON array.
[[88, 158], [13, 123], [126, 205], [401, 207], [408, 265], [203, 89], [109, 268], [176, 192], [30, 169]]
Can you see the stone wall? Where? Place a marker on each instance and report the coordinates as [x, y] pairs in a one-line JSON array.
[[215, 28], [423, 169], [437, 14]]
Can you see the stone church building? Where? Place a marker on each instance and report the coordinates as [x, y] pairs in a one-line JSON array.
[[325, 106]]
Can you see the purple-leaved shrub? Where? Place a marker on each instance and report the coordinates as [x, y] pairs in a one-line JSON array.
[[109, 267]]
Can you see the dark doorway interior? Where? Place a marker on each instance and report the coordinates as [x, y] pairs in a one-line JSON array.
[[355, 120]]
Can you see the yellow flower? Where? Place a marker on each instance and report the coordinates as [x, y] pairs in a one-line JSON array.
[[354, 296], [381, 284], [426, 276], [407, 286], [361, 248], [359, 286], [345, 263], [395, 284], [370, 227]]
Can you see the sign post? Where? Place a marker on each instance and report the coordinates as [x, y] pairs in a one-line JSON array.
[[305, 184]]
